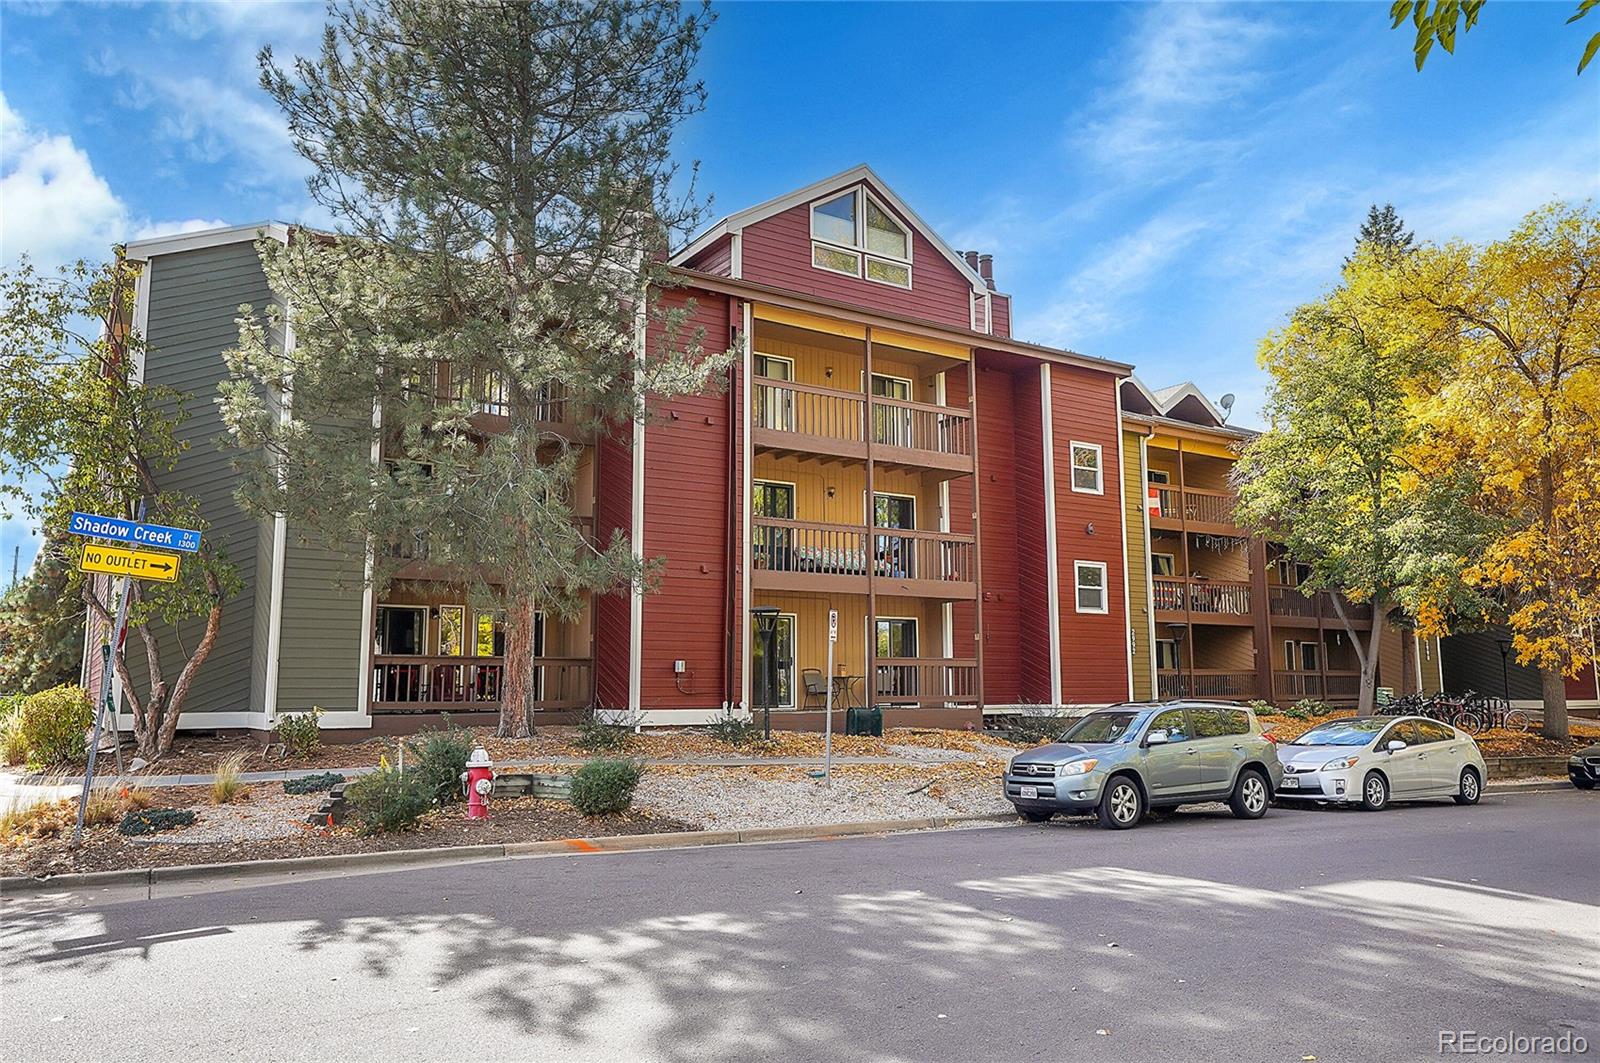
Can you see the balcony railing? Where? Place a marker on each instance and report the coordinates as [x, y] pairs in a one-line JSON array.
[[489, 394], [1197, 505], [925, 681], [1292, 602], [1330, 686], [403, 683], [840, 417], [847, 550], [1207, 597], [1206, 683]]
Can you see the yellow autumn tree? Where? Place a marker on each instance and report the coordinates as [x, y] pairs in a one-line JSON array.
[[1520, 405]]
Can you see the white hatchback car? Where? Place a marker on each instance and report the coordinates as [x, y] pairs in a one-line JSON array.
[[1372, 760]]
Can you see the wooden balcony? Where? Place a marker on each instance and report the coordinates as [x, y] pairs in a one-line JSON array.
[[1206, 683], [472, 684], [922, 681], [1207, 601], [1288, 606], [1339, 686], [791, 555], [411, 553], [489, 396], [800, 420], [1195, 509]]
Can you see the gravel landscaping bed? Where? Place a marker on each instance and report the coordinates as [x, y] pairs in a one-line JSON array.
[[721, 799]]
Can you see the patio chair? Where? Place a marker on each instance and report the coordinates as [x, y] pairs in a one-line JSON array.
[[816, 685]]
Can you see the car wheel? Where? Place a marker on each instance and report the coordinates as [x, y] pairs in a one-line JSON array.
[[1250, 794], [1471, 788], [1583, 784], [1122, 805], [1374, 792], [1033, 816]]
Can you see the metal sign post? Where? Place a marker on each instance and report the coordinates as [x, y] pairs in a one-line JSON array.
[[130, 565], [827, 724]]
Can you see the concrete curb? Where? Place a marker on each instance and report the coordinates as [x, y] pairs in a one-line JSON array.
[[1528, 786], [20, 885]]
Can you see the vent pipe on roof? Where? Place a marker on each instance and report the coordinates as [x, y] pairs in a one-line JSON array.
[[986, 270]]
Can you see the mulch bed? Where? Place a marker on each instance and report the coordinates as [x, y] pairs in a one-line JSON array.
[[511, 820]]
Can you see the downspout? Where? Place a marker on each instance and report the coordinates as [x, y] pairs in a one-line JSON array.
[[731, 530]]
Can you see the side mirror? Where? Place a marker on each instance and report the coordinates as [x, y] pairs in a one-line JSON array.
[[1395, 745], [1156, 738]]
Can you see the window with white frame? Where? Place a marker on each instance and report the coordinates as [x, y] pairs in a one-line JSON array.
[[1089, 577], [1086, 476], [852, 233]]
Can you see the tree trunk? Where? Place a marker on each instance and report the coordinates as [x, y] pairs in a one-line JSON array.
[[1368, 699], [1554, 686], [516, 700]]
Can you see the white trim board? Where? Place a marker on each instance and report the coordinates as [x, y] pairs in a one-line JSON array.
[[143, 250], [1051, 561]]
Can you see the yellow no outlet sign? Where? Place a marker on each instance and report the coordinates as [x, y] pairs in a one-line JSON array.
[[119, 561]]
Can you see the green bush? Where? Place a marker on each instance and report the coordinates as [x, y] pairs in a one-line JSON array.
[[1263, 708], [733, 730], [1036, 727], [440, 757], [51, 727], [152, 820], [1306, 708], [596, 735], [300, 732], [604, 786], [313, 784], [10, 705], [388, 800]]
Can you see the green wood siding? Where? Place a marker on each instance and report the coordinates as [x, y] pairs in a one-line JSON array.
[[320, 644]]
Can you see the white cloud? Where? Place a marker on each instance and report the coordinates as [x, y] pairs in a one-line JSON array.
[[55, 207]]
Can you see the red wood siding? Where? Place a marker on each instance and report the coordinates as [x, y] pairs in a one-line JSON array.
[[997, 476], [777, 251], [612, 612], [686, 480], [1581, 687], [1094, 646], [1000, 314], [718, 258], [1033, 585]]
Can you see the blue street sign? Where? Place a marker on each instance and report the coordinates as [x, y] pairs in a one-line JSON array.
[[127, 531]]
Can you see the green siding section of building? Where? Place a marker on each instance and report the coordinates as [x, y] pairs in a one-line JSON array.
[[1138, 566], [320, 642], [194, 299]]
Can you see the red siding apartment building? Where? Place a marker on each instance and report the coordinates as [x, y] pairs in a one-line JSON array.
[[882, 448]]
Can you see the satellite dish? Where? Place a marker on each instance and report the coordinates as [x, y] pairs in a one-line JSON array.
[[1226, 402]]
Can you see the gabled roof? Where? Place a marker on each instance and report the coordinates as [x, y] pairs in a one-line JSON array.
[[734, 223], [142, 250], [1180, 402]]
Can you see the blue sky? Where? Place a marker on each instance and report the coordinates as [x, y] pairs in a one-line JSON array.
[[1159, 184]]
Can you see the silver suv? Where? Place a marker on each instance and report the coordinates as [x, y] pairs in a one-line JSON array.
[[1122, 761]]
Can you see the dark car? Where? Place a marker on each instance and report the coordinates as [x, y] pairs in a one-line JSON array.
[[1583, 767]]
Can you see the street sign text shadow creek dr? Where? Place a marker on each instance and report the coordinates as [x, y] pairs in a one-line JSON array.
[[186, 540]]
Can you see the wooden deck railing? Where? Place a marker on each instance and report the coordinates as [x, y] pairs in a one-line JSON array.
[[1206, 683], [1291, 601], [1330, 686], [490, 393], [806, 410], [1196, 504], [924, 681], [844, 550], [404, 683], [1207, 597]]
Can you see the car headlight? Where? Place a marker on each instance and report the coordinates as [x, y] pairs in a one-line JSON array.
[[1342, 764], [1077, 767], [1574, 760]]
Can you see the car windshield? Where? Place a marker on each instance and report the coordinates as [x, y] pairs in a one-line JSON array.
[[1341, 733], [1102, 727]]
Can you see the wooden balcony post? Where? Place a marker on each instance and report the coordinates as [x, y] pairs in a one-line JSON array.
[[1260, 614], [871, 681], [977, 537]]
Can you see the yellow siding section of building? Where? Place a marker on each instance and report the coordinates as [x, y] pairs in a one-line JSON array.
[[850, 652], [1138, 568]]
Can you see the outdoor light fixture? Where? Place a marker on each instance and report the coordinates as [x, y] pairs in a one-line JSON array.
[[1505, 669]]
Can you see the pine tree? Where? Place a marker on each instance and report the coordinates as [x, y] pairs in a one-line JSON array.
[[503, 178], [41, 626], [1384, 231]]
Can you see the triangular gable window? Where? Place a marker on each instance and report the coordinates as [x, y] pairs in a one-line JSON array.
[[856, 235]]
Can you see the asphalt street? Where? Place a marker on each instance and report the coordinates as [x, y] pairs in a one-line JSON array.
[[1332, 934]]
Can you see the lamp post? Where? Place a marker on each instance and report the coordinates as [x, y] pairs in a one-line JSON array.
[[766, 618], [1505, 670], [1178, 631]]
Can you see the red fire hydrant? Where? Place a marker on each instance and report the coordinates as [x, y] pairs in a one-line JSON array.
[[478, 781]]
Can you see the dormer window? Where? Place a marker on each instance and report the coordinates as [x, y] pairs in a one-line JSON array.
[[854, 234]]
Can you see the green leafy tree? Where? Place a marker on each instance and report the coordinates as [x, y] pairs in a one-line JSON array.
[[81, 425], [1334, 476], [1438, 21], [41, 625], [503, 179]]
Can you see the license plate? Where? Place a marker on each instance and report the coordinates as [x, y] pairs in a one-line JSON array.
[[1030, 793], [1291, 783]]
